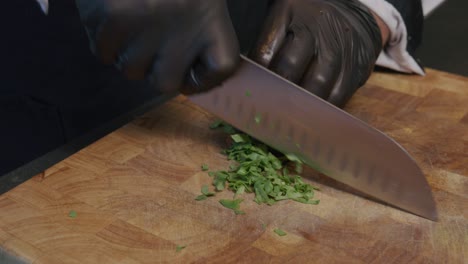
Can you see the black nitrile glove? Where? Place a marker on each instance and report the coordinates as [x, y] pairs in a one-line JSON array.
[[329, 47], [163, 40]]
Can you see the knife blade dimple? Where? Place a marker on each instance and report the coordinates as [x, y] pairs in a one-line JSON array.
[[357, 168], [252, 113], [277, 128], [344, 161], [394, 186], [251, 116], [385, 184], [399, 192], [227, 103], [316, 148], [291, 133], [371, 174], [330, 155], [240, 108], [215, 98], [265, 120], [303, 141]]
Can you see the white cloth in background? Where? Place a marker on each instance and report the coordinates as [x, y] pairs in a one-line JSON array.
[[395, 56]]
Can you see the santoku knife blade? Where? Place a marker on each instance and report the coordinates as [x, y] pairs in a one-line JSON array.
[[293, 120]]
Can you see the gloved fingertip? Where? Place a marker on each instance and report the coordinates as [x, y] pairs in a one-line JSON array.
[[340, 95], [211, 72]]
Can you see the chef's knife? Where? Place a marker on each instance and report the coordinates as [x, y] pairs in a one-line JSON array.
[[293, 120]]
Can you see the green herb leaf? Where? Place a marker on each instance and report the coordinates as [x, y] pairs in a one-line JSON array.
[[293, 157], [226, 127], [260, 170], [240, 190], [280, 232], [220, 180], [239, 212], [216, 124], [201, 197], [205, 193], [229, 130], [258, 118], [232, 204], [248, 93], [240, 138], [73, 214], [179, 248], [204, 167], [205, 190], [298, 167]]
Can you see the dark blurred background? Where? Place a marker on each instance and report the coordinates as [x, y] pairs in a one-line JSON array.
[[445, 39]]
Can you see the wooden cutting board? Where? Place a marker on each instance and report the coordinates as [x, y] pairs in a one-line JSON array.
[[133, 193]]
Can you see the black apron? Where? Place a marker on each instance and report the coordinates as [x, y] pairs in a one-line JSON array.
[[52, 89]]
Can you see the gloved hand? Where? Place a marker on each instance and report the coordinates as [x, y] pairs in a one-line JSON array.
[[162, 40], [328, 47]]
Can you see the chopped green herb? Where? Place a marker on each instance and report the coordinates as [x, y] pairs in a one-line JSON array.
[[280, 232], [220, 179], [264, 226], [248, 93], [233, 205], [229, 129], [72, 214], [216, 124], [226, 127], [179, 248], [240, 191], [239, 212], [204, 167], [205, 190], [201, 197], [205, 193], [260, 170], [298, 167], [240, 138], [258, 118], [293, 157]]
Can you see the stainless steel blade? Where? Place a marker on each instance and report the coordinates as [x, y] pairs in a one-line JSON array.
[[325, 137]]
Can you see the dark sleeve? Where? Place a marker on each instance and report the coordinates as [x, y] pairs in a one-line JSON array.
[[412, 13]]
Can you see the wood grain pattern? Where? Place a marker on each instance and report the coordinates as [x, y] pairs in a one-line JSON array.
[[134, 192]]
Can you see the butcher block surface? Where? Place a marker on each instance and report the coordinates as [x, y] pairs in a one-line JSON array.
[[129, 197]]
